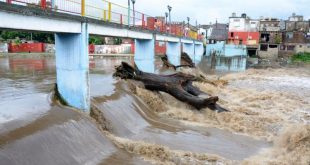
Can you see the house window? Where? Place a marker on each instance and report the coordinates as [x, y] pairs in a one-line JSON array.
[[290, 47], [300, 46], [282, 47], [232, 34], [263, 47]]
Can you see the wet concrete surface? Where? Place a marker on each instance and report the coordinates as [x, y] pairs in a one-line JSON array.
[[35, 130], [128, 117]]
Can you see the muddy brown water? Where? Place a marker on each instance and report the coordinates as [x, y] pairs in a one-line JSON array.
[[35, 130]]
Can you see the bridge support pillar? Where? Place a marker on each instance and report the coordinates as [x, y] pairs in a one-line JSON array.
[[198, 51], [173, 52], [189, 48], [145, 54], [72, 67]]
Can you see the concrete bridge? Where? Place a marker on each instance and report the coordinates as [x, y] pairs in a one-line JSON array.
[[72, 29]]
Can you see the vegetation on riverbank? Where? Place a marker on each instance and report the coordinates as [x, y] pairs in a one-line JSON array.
[[301, 57]]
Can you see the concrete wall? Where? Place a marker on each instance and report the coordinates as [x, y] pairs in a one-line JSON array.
[[301, 48], [235, 50], [218, 48], [4, 47], [49, 48], [271, 53], [307, 48], [227, 50], [113, 49], [72, 67]]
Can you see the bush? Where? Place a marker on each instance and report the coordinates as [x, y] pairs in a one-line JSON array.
[[301, 57]]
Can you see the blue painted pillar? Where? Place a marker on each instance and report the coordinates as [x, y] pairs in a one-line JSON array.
[[145, 55], [72, 68], [173, 52], [53, 5], [198, 51], [189, 48]]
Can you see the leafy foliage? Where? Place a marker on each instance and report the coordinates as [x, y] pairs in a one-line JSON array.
[[95, 40], [40, 37], [301, 57]]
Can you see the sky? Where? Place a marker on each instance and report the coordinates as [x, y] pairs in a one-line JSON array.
[[206, 11]]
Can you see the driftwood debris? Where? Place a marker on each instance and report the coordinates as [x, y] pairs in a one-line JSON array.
[[178, 85], [186, 61]]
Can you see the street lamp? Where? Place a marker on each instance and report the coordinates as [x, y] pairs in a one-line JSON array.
[[188, 19], [134, 15], [166, 14], [169, 9]]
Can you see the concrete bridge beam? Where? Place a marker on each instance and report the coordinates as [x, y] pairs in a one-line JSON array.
[[72, 67], [145, 54], [173, 52]]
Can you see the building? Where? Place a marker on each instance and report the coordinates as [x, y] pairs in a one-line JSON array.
[[297, 23], [218, 32], [270, 31], [244, 31], [270, 37], [296, 37]]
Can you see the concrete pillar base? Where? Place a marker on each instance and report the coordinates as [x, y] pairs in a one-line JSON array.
[[189, 48], [72, 67], [145, 55], [198, 52], [174, 52]]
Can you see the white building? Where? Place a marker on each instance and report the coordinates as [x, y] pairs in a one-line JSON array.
[[242, 24]]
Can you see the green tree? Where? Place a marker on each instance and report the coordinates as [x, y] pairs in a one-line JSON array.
[[40, 37], [117, 41], [278, 39], [95, 40]]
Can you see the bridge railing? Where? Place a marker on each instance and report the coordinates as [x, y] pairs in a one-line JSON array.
[[109, 12]]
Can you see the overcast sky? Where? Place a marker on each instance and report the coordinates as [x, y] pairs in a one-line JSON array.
[[205, 11]]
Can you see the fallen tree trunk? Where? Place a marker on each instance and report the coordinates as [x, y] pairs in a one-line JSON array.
[[178, 85], [169, 65]]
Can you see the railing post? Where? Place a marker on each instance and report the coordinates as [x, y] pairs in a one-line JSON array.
[[109, 11], [143, 23], [43, 4], [121, 20], [104, 15], [53, 5], [9, 1], [83, 8]]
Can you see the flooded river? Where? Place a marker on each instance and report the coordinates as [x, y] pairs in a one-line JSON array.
[[268, 122]]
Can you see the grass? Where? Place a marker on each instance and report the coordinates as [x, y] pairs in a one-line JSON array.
[[301, 57]]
